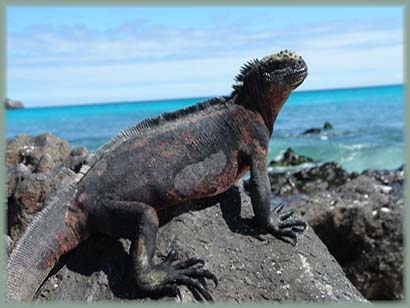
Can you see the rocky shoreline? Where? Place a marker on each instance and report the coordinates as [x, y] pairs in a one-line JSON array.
[[359, 217], [354, 241]]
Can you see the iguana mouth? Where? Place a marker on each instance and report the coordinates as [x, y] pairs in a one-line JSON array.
[[297, 77]]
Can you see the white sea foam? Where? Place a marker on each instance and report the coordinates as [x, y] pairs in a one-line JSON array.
[[354, 146]]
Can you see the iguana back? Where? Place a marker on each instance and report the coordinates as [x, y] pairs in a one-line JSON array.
[[193, 156]]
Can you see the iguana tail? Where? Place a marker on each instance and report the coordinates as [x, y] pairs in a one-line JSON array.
[[56, 230]]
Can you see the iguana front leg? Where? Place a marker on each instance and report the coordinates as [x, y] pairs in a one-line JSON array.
[[278, 223], [139, 222]]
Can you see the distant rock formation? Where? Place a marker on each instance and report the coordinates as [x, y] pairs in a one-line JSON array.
[[290, 158], [315, 130], [327, 125], [13, 104]]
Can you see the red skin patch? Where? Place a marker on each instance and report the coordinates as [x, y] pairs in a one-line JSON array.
[[73, 231]]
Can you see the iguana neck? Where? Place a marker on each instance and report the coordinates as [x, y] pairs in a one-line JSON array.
[[267, 104]]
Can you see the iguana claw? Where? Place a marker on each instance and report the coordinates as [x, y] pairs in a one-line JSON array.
[[167, 275], [281, 226]]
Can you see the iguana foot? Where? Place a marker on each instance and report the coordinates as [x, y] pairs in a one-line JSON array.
[[282, 226], [164, 277]]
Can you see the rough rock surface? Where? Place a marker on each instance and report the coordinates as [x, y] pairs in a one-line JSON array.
[[26, 195], [34, 167], [358, 217], [361, 222], [307, 180], [76, 159], [30, 150], [249, 268]]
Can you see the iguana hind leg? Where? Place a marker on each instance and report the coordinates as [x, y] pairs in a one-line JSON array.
[[139, 222]]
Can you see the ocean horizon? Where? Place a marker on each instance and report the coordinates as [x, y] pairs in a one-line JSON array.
[[367, 124], [154, 100]]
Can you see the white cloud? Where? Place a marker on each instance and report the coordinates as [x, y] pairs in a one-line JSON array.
[[351, 39], [136, 81], [139, 61]]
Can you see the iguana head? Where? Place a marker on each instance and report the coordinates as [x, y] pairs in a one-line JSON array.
[[266, 84]]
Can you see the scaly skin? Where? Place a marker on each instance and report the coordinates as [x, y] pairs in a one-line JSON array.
[[193, 155]]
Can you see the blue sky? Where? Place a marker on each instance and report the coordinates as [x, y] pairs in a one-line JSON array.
[[78, 55]]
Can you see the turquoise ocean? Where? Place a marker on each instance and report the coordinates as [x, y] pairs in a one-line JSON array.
[[367, 124]]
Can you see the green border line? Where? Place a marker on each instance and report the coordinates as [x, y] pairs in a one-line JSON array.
[[406, 151], [2, 139], [215, 3]]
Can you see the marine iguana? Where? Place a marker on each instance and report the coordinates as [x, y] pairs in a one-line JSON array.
[[194, 153]]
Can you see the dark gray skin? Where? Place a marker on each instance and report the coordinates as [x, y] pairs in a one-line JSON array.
[[191, 154], [190, 158]]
